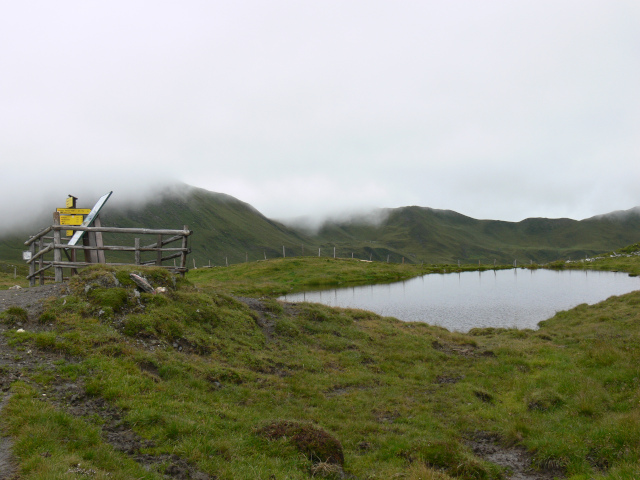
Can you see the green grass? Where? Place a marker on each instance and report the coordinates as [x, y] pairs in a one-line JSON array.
[[285, 275], [401, 400], [13, 273]]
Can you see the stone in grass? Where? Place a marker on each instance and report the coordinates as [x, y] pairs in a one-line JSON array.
[[142, 283], [318, 445]]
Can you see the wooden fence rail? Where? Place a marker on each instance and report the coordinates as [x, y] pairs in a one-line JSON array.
[[94, 250]]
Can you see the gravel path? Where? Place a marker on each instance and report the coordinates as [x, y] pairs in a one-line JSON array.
[[30, 298]]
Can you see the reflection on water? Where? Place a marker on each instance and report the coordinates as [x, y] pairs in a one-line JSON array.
[[462, 301]]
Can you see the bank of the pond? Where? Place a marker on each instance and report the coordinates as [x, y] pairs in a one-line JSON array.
[[515, 298], [280, 276]]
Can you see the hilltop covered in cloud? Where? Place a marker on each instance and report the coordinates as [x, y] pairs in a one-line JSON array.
[[497, 109]]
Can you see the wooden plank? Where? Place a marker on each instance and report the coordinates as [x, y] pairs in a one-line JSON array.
[[62, 264], [165, 242], [140, 231], [32, 266], [40, 248], [99, 242], [137, 250], [91, 255], [118, 248], [38, 235], [47, 249], [169, 257], [159, 254], [41, 270], [185, 246]]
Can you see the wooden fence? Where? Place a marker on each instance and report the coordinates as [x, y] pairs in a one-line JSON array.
[[41, 245]]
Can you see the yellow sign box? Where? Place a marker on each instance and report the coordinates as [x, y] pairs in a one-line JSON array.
[[68, 233], [69, 203], [71, 219], [74, 211]]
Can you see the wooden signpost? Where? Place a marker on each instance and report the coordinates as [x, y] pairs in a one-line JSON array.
[[71, 215], [82, 217], [85, 224]]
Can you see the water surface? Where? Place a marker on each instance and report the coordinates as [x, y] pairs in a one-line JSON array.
[[461, 301]]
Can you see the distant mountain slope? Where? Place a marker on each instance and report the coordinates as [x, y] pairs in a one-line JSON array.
[[227, 229], [426, 234], [224, 227]]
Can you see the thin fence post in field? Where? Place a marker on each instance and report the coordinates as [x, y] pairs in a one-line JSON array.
[[136, 243], [174, 262], [388, 258], [209, 263], [194, 263], [334, 252], [351, 255], [265, 254], [318, 252], [226, 261]]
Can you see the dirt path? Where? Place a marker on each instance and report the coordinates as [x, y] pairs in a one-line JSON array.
[[30, 298]]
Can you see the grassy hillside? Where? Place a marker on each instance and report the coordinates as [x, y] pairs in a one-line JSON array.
[[229, 231], [195, 383], [437, 236], [225, 229]]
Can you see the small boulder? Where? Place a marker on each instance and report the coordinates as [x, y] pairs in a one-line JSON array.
[[142, 283]]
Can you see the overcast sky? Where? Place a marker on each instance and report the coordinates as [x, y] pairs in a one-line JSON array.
[[497, 109]]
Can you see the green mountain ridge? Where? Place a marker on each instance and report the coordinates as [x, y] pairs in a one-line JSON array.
[[228, 230]]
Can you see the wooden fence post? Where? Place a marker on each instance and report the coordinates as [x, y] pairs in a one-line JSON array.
[[159, 252], [32, 265], [100, 258], [41, 262], [57, 253], [185, 243], [136, 243]]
